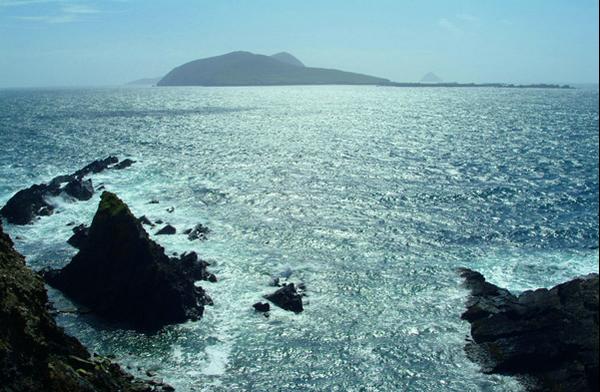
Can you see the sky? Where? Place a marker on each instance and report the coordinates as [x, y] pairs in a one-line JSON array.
[[47, 43]]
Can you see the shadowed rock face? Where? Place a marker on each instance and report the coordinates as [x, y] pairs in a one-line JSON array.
[[551, 336], [122, 275], [28, 203], [35, 354]]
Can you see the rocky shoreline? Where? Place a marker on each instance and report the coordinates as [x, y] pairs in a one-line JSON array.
[[27, 204], [36, 354], [548, 338]]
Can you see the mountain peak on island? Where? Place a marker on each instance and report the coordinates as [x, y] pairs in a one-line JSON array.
[[430, 77], [288, 58], [242, 68]]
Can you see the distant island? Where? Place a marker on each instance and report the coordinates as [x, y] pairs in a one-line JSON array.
[[248, 69], [430, 77], [144, 82], [497, 85]]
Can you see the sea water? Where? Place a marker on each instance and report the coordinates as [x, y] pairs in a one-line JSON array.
[[371, 196]]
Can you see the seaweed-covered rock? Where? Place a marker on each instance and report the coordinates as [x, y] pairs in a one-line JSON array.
[[550, 336], [79, 237], [36, 354], [288, 298], [122, 275], [79, 189]]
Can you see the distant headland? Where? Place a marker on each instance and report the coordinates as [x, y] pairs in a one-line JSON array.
[[248, 69]]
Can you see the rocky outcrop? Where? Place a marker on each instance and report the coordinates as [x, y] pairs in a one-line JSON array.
[[79, 237], [262, 307], [79, 189], [32, 202], [35, 354], [96, 167], [122, 275], [28, 203], [195, 267], [287, 297], [167, 230], [198, 232], [548, 336], [125, 163]]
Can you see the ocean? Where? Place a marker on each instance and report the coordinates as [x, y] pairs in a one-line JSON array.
[[371, 196]]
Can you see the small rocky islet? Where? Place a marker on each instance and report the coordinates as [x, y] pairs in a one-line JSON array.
[[124, 276], [548, 338]]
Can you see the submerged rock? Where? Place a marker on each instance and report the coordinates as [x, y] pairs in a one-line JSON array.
[[122, 275], [79, 237], [287, 298], [125, 163], [167, 229], [29, 203], [550, 336], [36, 354], [198, 232]]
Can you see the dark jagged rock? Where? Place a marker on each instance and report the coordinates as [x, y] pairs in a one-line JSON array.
[[167, 230], [198, 232], [96, 167], [125, 163], [29, 203], [287, 298], [195, 267], [262, 307], [170, 210], [145, 221], [79, 189], [79, 237], [122, 275], [59, 180], [550, 336], [36, 354]]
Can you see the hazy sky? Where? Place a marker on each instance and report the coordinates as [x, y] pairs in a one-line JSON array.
[[108, 42]]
